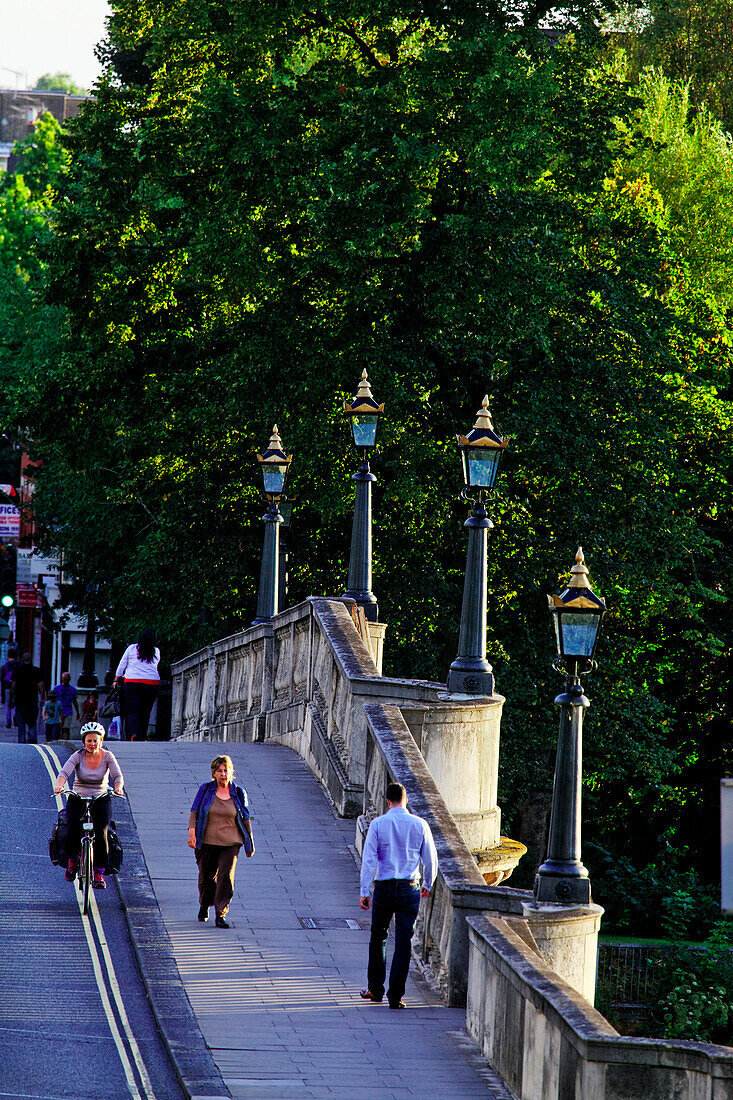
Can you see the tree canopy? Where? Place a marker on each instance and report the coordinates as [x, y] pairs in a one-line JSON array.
[[260, 202], [691, 41], [58, 82]]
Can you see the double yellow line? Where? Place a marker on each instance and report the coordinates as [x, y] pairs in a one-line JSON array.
[[100, 955]]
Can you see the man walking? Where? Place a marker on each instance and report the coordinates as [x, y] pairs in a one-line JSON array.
[[395, 846], [26, 685], [6, 677], [66, 695]]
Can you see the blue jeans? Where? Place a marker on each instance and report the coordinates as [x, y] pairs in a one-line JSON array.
[[398, 898]]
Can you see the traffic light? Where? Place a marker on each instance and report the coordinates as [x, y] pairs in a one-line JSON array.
[[8, 589]]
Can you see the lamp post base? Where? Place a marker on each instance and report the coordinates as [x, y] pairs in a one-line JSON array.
[[569, 888], [470, 681]]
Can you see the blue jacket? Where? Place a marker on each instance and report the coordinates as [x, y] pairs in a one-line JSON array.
[[202, 803]]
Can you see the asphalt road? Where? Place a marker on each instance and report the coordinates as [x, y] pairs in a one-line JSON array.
[[74, 1018]]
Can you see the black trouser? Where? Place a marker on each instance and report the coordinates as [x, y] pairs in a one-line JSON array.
[[139, 699], [398, 897], [217, 864], [101, 816]]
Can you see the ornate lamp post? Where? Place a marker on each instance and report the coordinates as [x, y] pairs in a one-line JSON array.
[[576, 614], [274, 463], [364, 413], [481, 452]]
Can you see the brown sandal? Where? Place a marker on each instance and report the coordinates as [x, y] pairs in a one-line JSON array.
[[367, 995]]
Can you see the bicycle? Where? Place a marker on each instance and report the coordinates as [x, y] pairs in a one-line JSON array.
[[86, 861]]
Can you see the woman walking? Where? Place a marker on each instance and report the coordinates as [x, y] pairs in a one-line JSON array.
[[139, 671], [218, 825]]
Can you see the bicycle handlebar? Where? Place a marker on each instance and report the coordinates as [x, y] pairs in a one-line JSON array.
[[89, 797]]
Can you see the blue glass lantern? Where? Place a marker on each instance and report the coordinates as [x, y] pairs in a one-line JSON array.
[[274, 463], [481, 451], [576, 615], [364, 413]]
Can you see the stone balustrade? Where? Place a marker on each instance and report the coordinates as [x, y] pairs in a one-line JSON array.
[[302, 681], [312, 680], [548, 1043]]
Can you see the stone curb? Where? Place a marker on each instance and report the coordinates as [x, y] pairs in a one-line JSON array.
[[198, 1073]]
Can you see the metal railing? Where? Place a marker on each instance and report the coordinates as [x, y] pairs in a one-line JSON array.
[[629, 973]]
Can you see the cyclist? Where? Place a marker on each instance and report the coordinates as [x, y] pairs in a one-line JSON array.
[[94, 767]]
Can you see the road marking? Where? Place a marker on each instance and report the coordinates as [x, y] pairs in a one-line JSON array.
[[109, 965]]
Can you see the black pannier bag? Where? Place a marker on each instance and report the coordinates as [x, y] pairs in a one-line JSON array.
[[58, 844], [115, 852]]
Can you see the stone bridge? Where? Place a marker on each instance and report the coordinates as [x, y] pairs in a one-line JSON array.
[[311, 679]]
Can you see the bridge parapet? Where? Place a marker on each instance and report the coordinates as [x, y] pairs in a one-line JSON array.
[[460, 890], [303, 681], [311, 679], [548, 1043]]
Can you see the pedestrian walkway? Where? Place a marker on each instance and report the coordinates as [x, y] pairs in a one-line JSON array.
[[277, 995]]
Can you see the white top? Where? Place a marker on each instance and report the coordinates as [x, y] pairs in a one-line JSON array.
[[132, 668], [395, 846]]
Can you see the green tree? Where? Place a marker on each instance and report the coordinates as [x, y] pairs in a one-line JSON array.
[[29, 329], [260, 203], [58, 82], [691, 41], [688, 159]]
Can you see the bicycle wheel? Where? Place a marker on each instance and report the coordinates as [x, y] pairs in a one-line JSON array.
[[86, 873]]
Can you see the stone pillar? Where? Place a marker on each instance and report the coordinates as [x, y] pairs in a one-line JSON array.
[[375, 633], [179, 691], [567, 938], [209, 696], [460, 745]]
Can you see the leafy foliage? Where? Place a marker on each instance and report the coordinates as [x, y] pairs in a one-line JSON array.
[[688, 159], [697, 991], [691, 41], [58, 82], [263, 200]]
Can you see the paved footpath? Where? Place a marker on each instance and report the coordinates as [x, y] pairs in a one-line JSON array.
[[277, 1001]]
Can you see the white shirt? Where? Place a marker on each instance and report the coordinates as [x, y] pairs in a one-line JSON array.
[[132, 668], [395, 846]]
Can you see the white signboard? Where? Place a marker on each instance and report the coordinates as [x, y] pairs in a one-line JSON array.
[[726, 845], [9, 522], [24, 566]]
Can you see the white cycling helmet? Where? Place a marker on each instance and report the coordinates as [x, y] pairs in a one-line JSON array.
[[92, 727]]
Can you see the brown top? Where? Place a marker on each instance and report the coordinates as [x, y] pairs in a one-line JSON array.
[[221, 823]]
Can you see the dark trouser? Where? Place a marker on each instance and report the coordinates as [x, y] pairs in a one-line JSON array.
[[52, 731], [101, 816], [26, 719], [217, 864], [139, 699], [400, 898]]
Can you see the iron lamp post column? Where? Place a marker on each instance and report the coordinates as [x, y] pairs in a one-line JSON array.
[[359, 584], [562, 877], [274, 463], [364, 413], [481, 452], [577, 613], [471, 673], [269, 590]]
